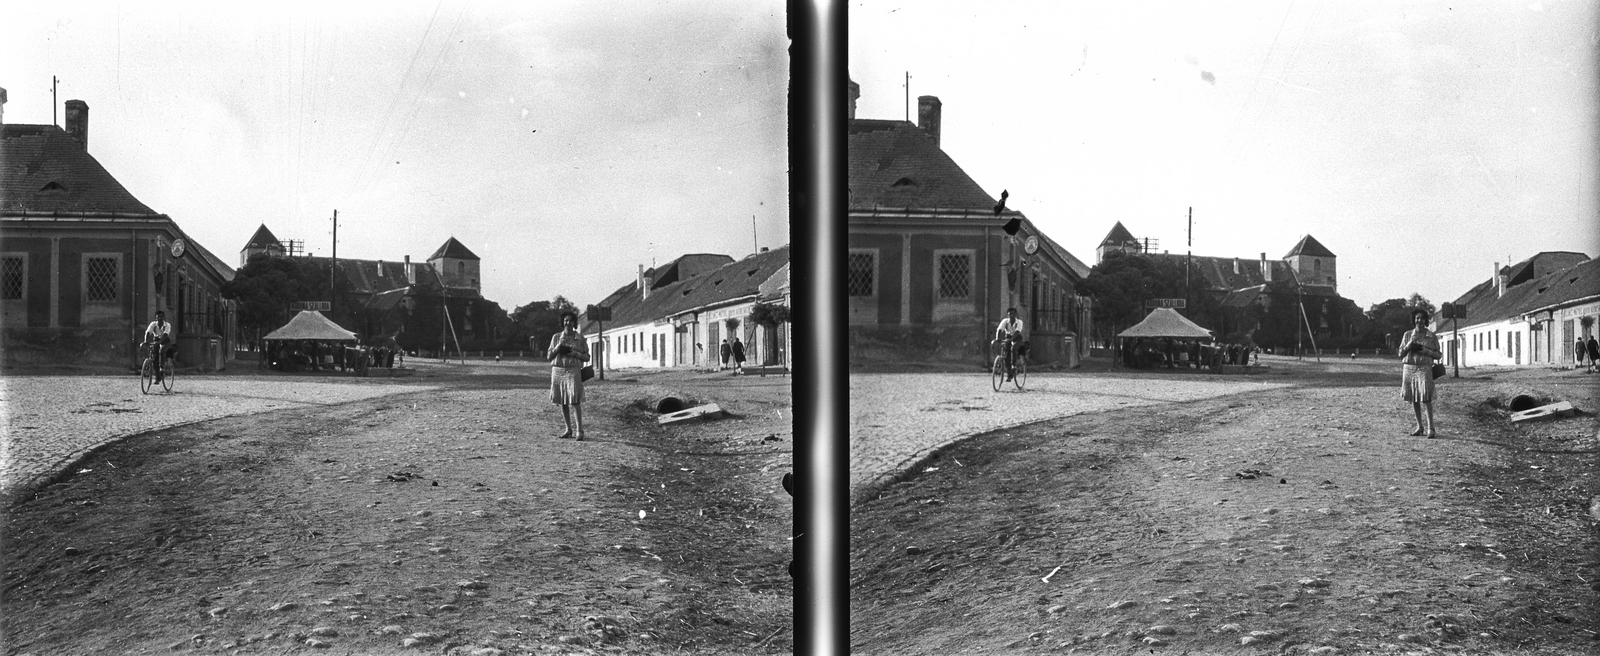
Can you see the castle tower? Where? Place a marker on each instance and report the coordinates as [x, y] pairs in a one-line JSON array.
[[1119, 239], [261, 242], [1313, 264], [457, 266]]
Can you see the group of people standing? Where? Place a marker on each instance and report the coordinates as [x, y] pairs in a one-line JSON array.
[[1590, 348], [732, 351]]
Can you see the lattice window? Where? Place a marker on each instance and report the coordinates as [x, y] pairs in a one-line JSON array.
[[12, 278], [955, 276], [100, 279], [861, 273]]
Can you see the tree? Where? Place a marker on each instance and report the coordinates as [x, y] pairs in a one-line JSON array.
[[267, 285], [1122, 282], [765, 314], [538, 320], [1388, 320]]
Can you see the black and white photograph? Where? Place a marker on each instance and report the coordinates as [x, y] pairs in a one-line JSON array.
[[444, 327], [1222, 327]]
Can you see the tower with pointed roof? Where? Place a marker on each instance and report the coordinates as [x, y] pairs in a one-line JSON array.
[[1119, 239], [457, 266], [1313, 264], [261, 242]]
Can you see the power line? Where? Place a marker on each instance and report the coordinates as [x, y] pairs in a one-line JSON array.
[[383, 126]]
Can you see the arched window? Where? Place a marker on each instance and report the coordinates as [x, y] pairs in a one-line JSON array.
[[1316, 265]]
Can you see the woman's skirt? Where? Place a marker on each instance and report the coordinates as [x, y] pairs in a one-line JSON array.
[[1416, 383], [566, 388]]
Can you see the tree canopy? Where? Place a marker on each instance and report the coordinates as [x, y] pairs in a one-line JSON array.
[[265, 287], [534, 323], [1121, 283], [1389, 320]]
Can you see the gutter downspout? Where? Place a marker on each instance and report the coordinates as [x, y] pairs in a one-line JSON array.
[[987, 244]]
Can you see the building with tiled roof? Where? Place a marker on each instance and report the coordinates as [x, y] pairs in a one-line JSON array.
[[422, 306], [1240, 283], [263, 242], [1528, 313], [931, 268], [678, 313], [84, 265]]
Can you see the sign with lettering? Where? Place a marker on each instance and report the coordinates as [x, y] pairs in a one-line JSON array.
[[320, 306], [1176, 303]]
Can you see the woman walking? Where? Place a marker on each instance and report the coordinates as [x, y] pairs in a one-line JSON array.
[[1418, 349], [568, 351]]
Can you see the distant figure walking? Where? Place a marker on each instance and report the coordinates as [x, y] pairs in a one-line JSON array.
[[727, 352], [567, 353], [1418, 349], [1577, 354], [738, 356], [1594, 354]]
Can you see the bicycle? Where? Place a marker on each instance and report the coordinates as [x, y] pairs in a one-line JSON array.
[[1018, 374], [155, 356]]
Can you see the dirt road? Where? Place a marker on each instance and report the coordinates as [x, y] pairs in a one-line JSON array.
[[448, 521], [1296, 520]]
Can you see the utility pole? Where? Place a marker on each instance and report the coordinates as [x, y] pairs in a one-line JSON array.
[[754, 238], [53, 103], [1188, 262], [333, 271], [908, 96]]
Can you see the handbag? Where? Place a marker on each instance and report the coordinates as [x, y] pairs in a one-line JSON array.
[[588, 372], [1438, 370]]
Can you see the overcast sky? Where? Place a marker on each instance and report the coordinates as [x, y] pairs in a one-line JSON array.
[[1419, 141], [564, 143]]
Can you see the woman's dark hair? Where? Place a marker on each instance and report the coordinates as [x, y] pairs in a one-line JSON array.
[[1426, 317], [566, 314]]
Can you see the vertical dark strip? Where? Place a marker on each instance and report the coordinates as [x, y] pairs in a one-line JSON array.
[[816, 201]]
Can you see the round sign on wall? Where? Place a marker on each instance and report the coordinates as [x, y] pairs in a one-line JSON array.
[[177, 248]]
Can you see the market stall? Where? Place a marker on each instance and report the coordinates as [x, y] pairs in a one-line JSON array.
[[1164, 339]]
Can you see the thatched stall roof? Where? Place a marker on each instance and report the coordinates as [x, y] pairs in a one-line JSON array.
[[311, 325]]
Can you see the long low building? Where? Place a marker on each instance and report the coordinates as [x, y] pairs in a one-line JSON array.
[[1531, 313], [678, 314]]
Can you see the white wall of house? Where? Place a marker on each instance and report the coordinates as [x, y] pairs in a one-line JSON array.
[[638, 346], [1564, 326], [1540, 339], [1503, 343]]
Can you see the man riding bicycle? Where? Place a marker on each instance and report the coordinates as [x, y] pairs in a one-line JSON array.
[[1009, 333], [159, 336]]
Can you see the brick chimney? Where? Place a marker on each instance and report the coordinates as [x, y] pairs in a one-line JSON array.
[[2, 105], [853, 94], [928, 110], [1236, 266], [78, 121], [1499, 281], [1266, 268], [644, 285], [411, 274]]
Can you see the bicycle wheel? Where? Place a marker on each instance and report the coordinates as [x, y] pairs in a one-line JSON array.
[[166, 376], [147, 375], [997, 374], [1022, 372]]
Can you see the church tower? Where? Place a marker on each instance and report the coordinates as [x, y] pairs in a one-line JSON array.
[[1313, 264], [457, 266]]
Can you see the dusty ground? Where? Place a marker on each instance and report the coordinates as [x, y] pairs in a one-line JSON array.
[[449, 522], [1303, 520]]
